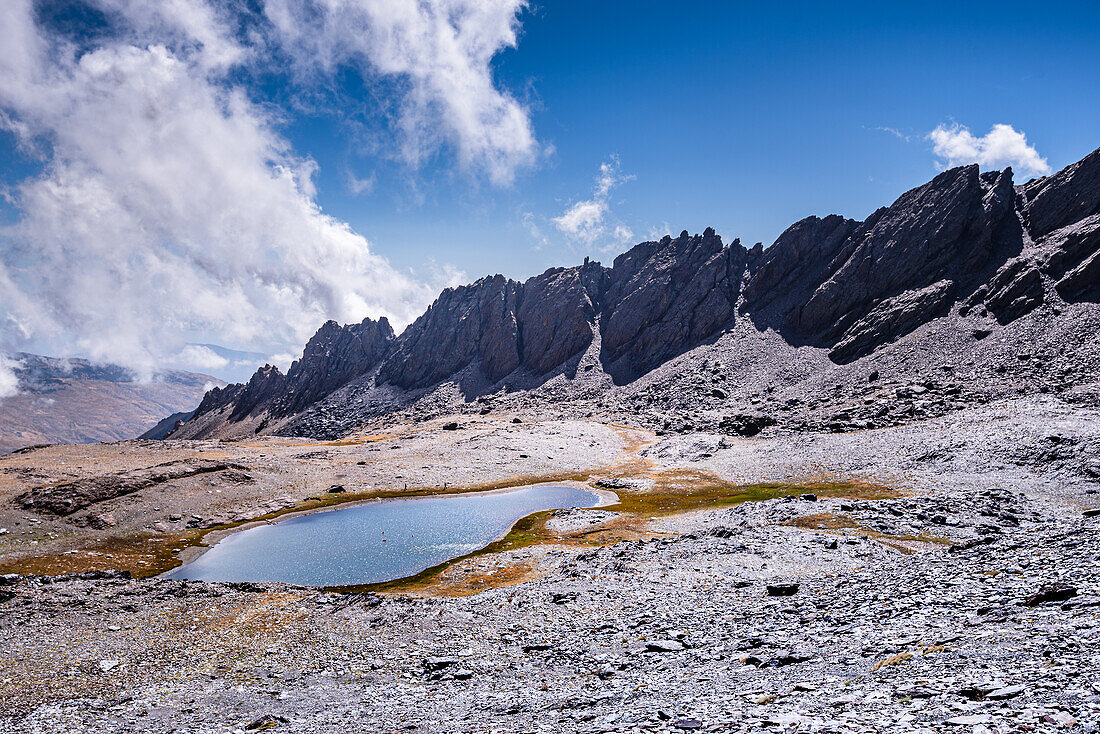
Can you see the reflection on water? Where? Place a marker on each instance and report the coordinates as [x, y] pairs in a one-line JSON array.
[[379, 541]]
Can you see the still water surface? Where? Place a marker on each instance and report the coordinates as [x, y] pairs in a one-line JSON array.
[[378, 541]]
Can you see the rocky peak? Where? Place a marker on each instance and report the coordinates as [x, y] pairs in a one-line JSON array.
[[260, 391], [467, 324], [500, 326], [664, 297], [1068, 196], [557, 315], [332, 358], [797, 263], [950, 228], [835, 283]]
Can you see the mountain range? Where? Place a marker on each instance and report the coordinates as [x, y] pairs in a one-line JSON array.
[[967, 255], [77, 401]]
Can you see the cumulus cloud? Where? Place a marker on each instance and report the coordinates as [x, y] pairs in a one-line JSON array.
[[199, 357], [587, 220], [1002, 146], [167, 206], [9, 381], [439, 52]]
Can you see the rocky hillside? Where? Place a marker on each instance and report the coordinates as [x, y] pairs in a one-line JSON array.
[[76, 401], [966, 255]]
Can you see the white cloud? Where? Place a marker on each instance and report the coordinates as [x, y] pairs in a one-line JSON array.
[[530, 223], [1002, 146], [622, 233], [892, 131], [441, 52], [196, 356], [168, 207], [9, 381], [359, 186], [586, 221], [283, 360], [658, 231]]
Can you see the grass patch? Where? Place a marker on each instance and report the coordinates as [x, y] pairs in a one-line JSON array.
[[142, 554], [847, 525], [899, 659], [684, 490]]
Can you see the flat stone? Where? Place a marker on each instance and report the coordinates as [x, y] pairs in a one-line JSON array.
[[1007, 692], [1053, 592], [970, 719], [664, 646]]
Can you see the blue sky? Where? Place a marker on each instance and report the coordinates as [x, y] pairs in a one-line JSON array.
[[744, 117], [237, 172]]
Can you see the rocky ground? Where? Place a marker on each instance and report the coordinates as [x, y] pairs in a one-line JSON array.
[[967, 599], [57, 502]]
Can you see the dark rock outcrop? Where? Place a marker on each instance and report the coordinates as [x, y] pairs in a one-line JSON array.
[[69, 497], [966, 240], [469, 324], [1083, 282], [557, 315], [802, 258], [258, 393], [1013, 291], [1073, 260], [958, 227], [335, 356], [332, 358], [665, 297], [853, 286], [216, 399], [500, 326], [1066, 197], [892, 318]]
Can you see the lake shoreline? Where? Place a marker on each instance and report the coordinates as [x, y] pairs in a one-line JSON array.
[[192, 553]]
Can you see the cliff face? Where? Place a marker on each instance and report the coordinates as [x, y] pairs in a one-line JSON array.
[[873, 281], [965, 240], [1064, 209], [469, 324], [665, 297], [335, 356]]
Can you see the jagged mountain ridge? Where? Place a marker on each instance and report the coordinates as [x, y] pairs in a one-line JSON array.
[[965, 240]]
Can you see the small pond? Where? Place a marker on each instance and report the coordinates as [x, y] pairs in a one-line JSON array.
[[377, 541]]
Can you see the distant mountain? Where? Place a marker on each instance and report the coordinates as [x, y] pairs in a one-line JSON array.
[[76, 401], [832, 291], [167, 425]]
